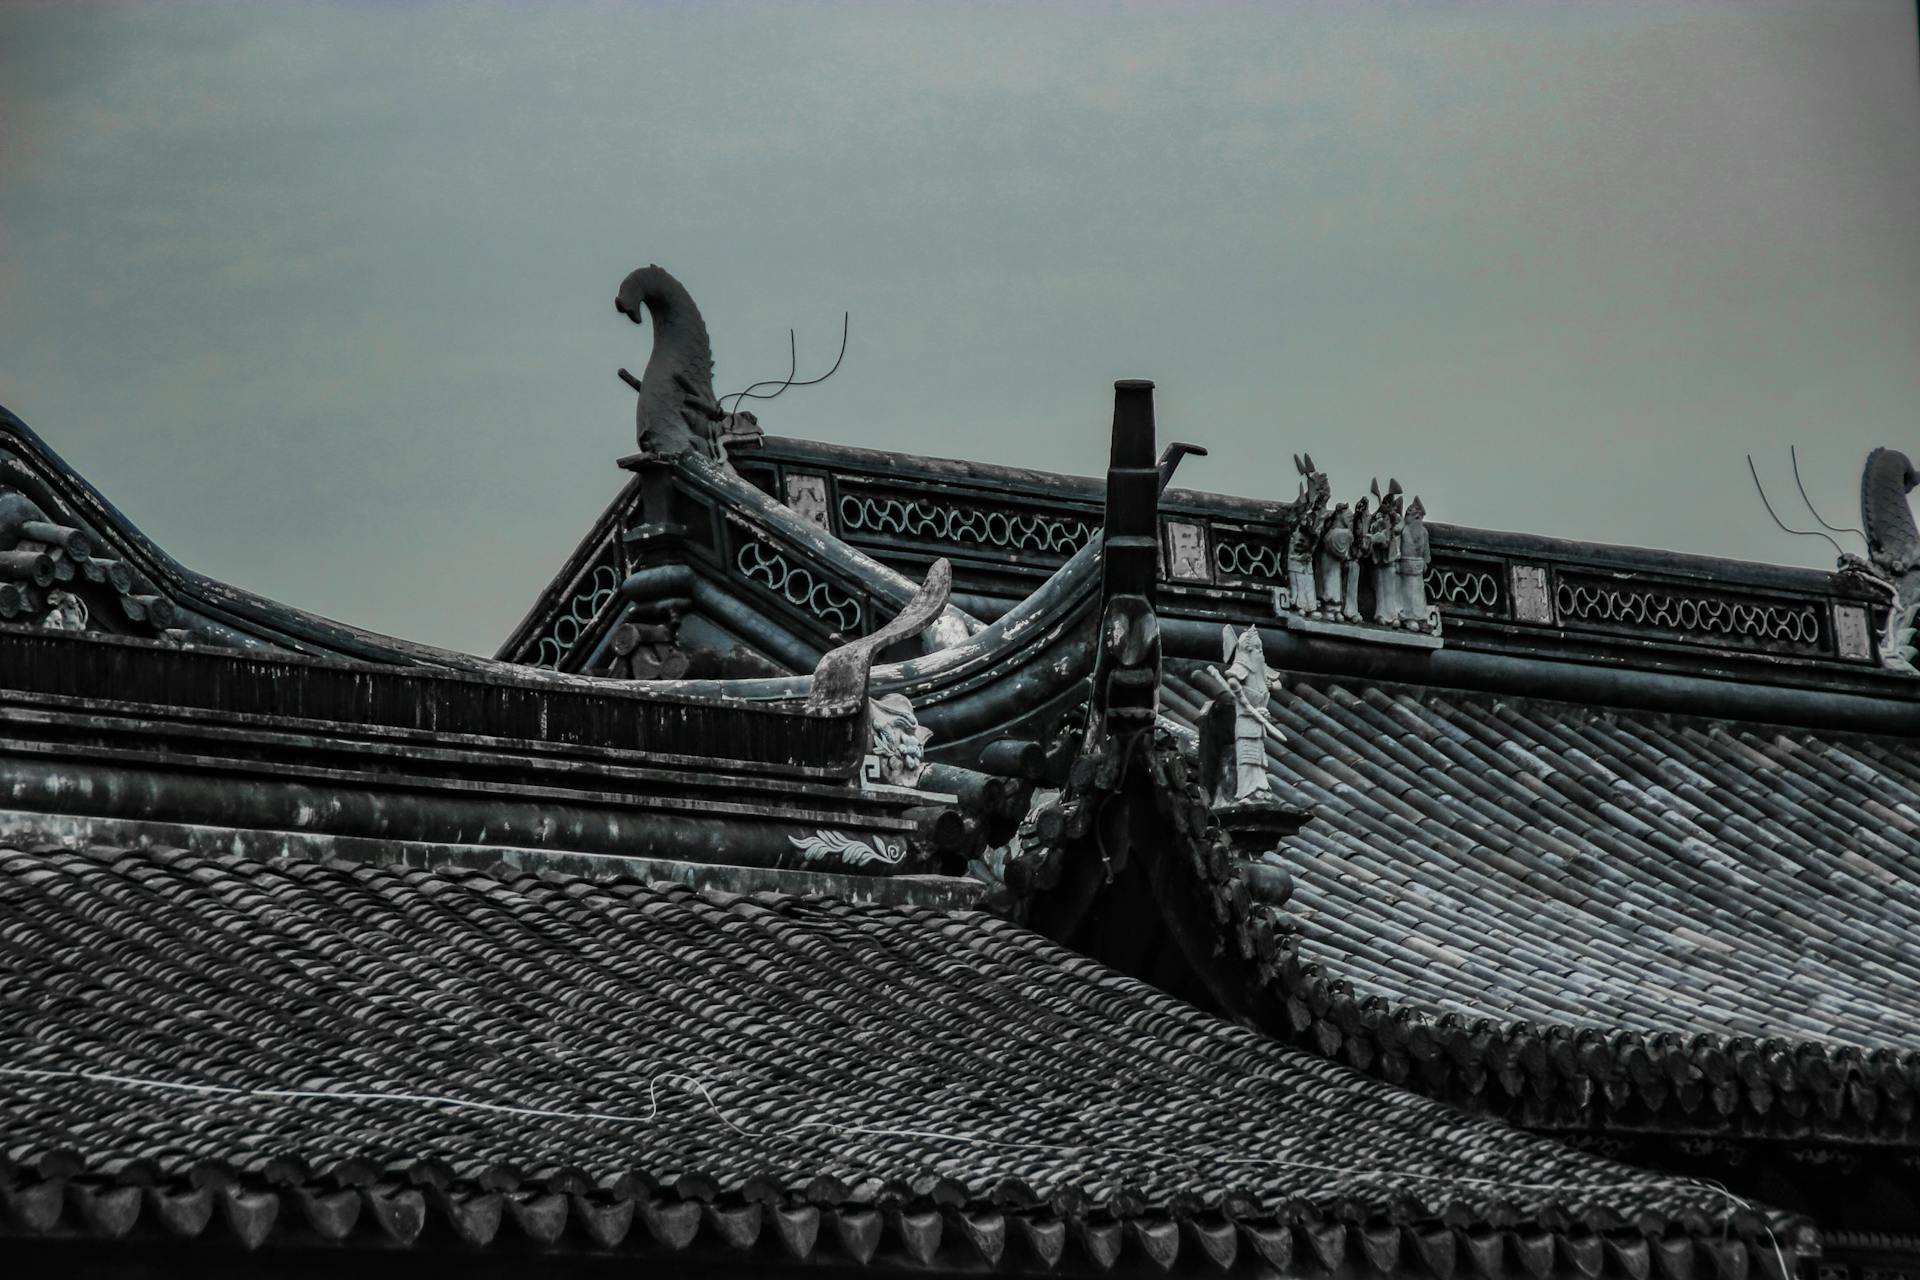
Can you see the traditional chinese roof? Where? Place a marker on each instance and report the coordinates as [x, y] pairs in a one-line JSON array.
[[1506, 599], [1569, 913], [318, 1053], [80, 545], [1727, 999]]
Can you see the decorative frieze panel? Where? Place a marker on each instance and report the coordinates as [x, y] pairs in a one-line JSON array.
[[806, 494], [1241, 554], [1186, 551], [1364, 570], [1466, 586], [1852, 631], [962, 525], [1532, 598], [770, 568], [1760, 623], [592, 592], [837, 850], [896, 744]]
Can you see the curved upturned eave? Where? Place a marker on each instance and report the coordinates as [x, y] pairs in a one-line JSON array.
[[265, 622], [1433, 945]]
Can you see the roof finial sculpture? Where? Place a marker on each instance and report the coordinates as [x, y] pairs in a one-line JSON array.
[[1357, 571], [678, 413], [1303, 540], [1893, 545]]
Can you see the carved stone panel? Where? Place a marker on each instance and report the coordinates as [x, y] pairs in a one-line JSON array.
[[1532, 602], [1187, 558], [1852, 636], [807, 496]]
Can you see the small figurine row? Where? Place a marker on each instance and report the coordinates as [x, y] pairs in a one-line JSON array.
[[1352, 564]]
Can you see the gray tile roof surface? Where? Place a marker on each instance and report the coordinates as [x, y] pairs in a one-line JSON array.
[[1493, 861], [806, 1055]]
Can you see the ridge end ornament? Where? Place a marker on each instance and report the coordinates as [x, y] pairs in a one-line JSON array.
[[678, 413]]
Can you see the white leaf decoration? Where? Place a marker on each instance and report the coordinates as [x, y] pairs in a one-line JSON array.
[[823, 846]]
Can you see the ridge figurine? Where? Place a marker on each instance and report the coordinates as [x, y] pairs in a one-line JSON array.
[[1353, 555], [1234, 729], [1410, 567], [1303, 540], [1383, 554], [1336, 540]]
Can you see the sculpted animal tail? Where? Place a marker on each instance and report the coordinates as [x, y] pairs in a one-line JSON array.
[[676, 413], [1893, 542]]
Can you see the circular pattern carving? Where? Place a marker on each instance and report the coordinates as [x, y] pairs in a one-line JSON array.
[[581, 611], [963, 526], [797, 586], [1236, 558], [1469, 587], [1796, 624]]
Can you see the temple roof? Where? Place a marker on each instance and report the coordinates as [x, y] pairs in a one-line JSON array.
[[1767, 634], [1707, 920], [616, 1065]]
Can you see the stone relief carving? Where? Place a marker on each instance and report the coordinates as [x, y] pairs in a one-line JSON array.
[[807, 496], [896, 742], [1852, 633], [65, 612], [1363, 565], [836, 847], [1187, 550], [1532, 601]]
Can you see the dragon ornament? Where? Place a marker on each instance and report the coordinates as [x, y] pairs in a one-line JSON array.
[[897, 741], [1893, 548], [678, 413]]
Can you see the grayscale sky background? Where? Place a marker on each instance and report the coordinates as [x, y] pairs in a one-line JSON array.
[[320, 296]]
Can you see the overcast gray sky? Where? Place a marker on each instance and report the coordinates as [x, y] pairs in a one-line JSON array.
[[320, 295]]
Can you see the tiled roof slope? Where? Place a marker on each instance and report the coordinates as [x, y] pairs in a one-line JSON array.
[[1567, 911], [612, 1065]]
